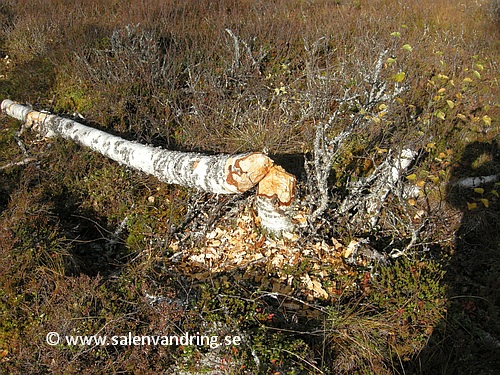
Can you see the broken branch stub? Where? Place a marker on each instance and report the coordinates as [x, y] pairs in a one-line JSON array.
[[219, 174]]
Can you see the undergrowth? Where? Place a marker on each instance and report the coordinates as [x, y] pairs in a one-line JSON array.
[[86, 244]]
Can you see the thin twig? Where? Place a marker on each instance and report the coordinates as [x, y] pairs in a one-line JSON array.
[[17, 164]]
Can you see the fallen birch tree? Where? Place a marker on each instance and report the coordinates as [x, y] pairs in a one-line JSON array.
[[473, 182], [219, 174]]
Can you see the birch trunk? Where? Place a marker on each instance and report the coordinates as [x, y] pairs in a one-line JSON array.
[[219, 174], [472, 182], [275, 195]]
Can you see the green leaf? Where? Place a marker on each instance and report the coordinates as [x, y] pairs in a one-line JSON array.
[[477, 74], [399, 77], [440, 114], [487, 120], [450, 104], [479, 190], [407, 47], [471, 206], [485, 202], [390, 61], [396, 34]]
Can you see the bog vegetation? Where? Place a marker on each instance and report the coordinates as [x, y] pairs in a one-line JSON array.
[[330, 89]]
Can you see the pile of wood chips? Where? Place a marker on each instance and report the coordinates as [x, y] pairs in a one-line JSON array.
[[285, 266]]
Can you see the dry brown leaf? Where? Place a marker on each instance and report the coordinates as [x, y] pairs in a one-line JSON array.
[[350, 249]]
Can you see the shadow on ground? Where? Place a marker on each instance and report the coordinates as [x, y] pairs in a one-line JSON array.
[[467, 341]]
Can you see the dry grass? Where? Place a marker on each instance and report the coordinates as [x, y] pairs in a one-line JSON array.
[[170, 73]]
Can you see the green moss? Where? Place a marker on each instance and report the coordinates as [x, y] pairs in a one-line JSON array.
[[72, 98]]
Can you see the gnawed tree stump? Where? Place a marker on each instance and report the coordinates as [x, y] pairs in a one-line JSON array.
[[275, 194], [219, 174]]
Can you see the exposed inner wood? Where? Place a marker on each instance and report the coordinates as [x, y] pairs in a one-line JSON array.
[[244, 172], [220, 174], [278, 184]]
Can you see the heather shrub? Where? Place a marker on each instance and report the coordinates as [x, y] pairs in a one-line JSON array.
[[335, 88]]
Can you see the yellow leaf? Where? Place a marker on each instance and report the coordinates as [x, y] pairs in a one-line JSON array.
[[450, 104], [440, 114], [471, 206], [399, 77], [390, 61], [382, 107], [487, 120], [411, 177], [485, 202], [441, 90], [479, 190], [407, 47], [468, 80], [412, 202], [434, 179], [459, 96], [495, 193], [420, 183], [397, 34], [461, 117], [479, 66], [477, 74]]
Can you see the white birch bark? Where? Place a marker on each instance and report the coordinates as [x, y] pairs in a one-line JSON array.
[[368, 195], [472, 182], [219, 174], [275, 195]]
